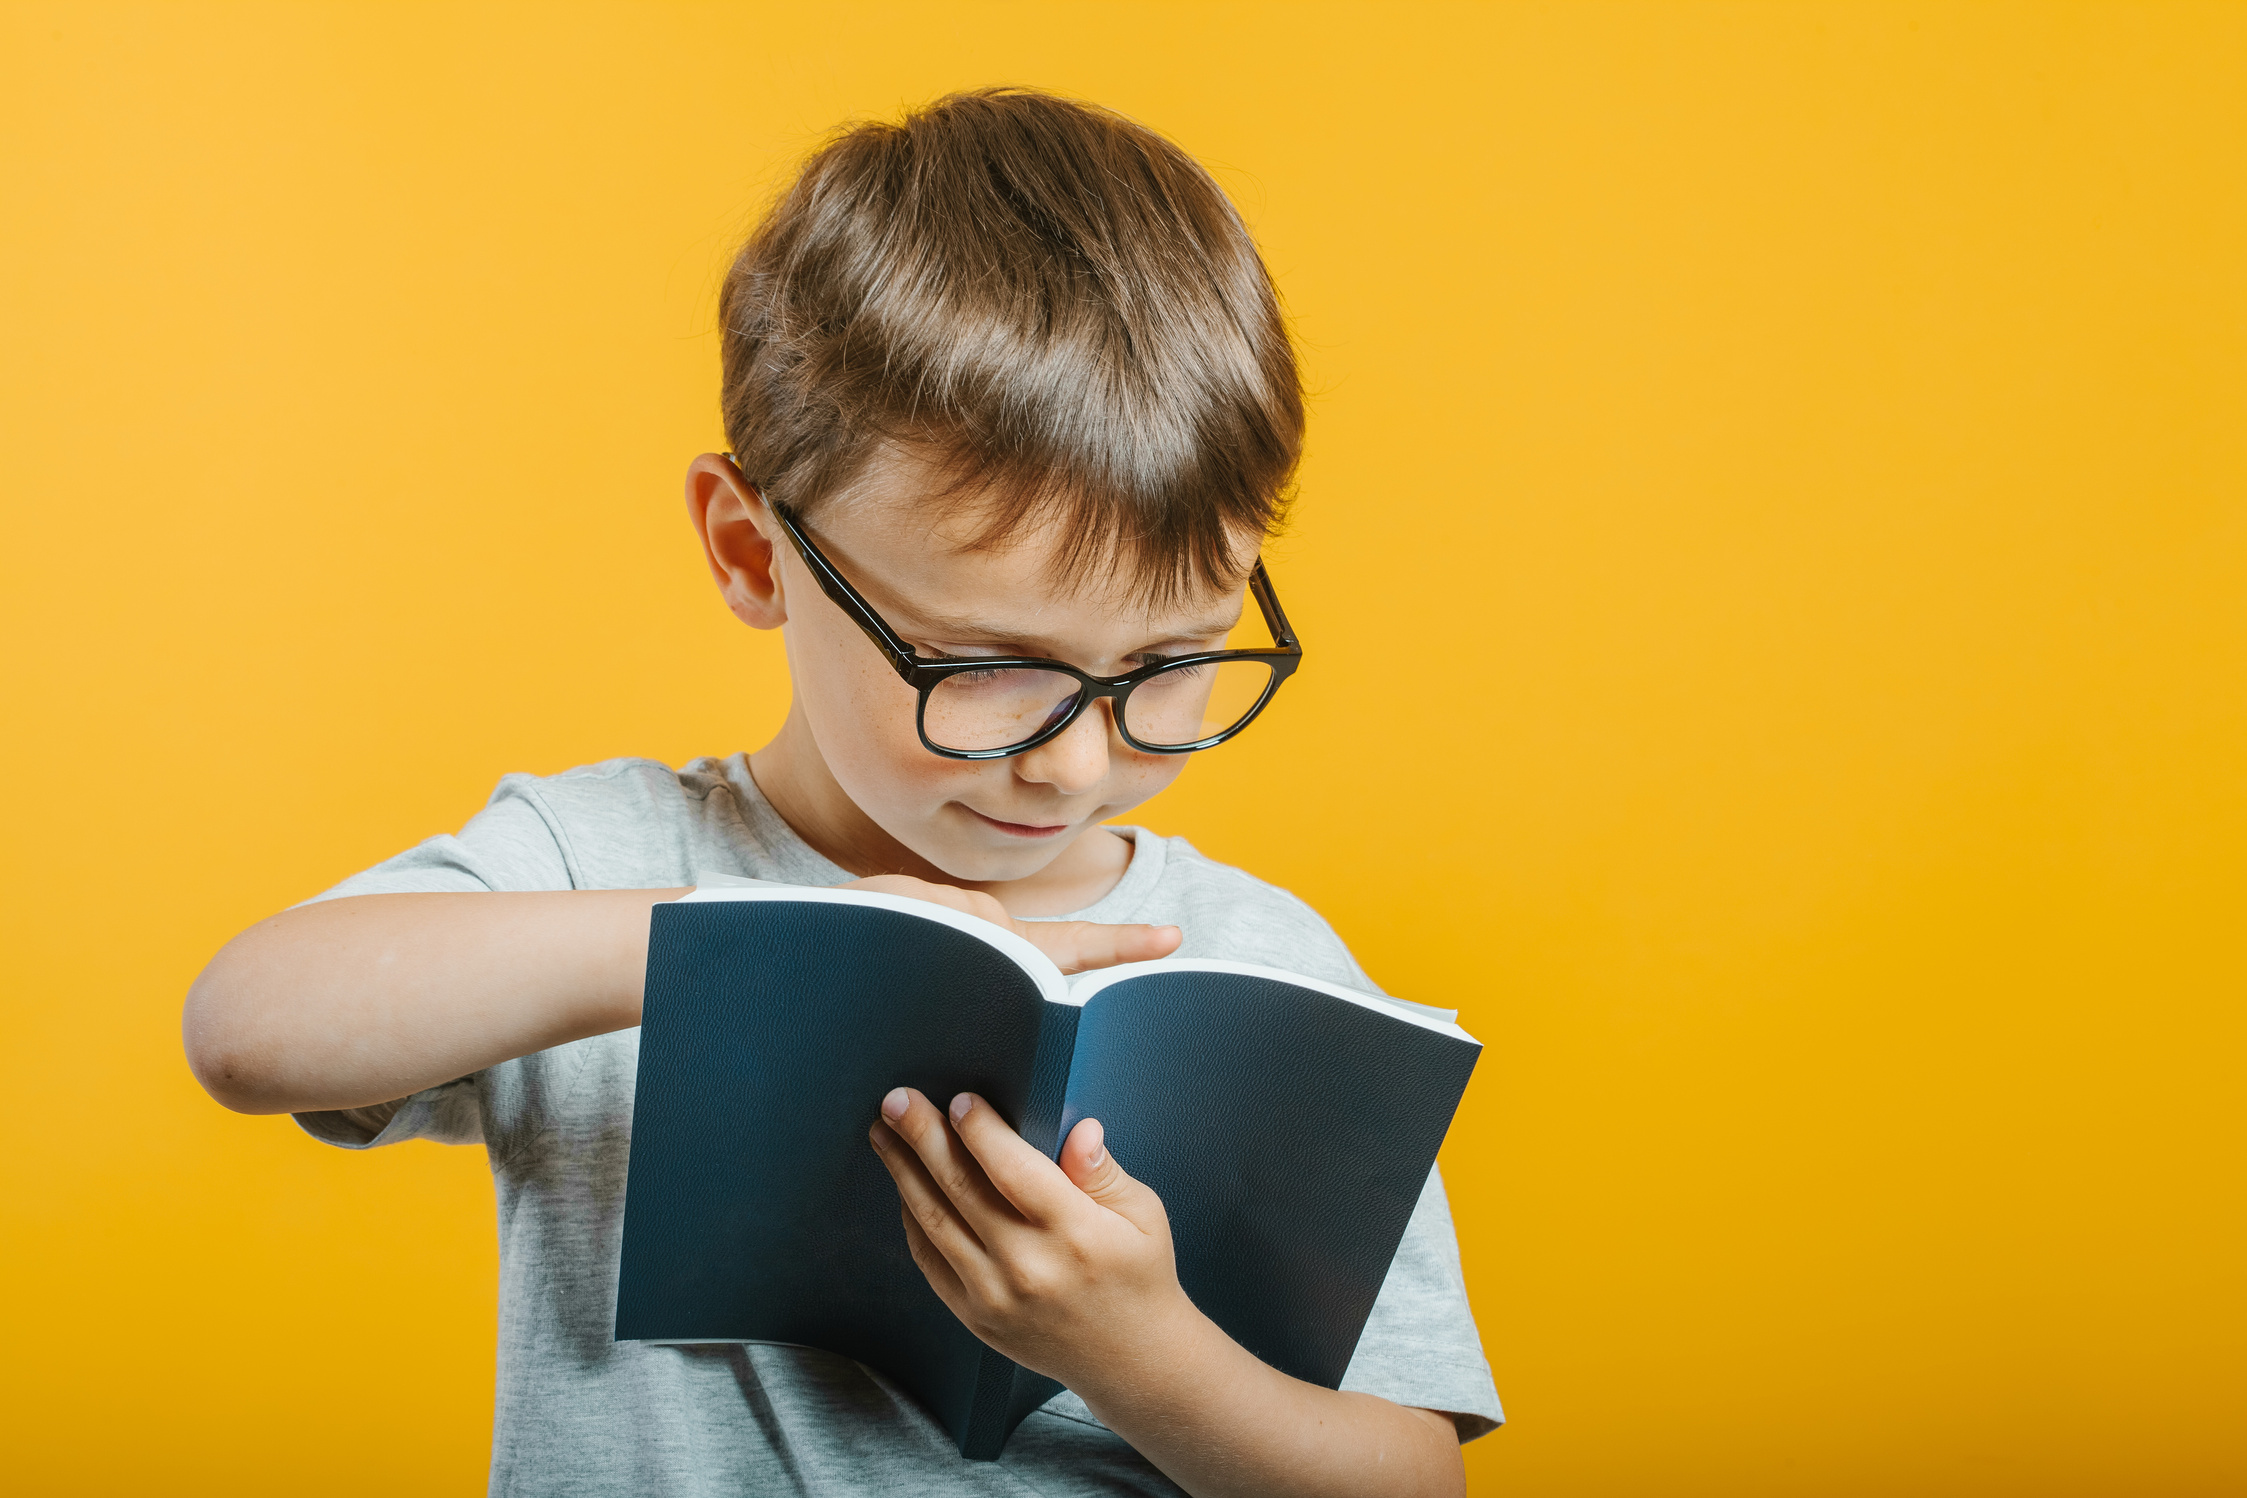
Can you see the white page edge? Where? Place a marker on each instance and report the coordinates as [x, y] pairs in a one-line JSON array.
[[1052, 986], [1088, 985]]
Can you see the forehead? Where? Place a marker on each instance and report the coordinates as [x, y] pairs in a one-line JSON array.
[[913, 547]]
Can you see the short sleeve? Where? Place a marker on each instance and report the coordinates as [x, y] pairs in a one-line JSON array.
[[1420, 1346], [512, 844], [449, 1114]]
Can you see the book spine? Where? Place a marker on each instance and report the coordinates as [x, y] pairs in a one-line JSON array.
[[1004, 1391], [1049, 1078], [1005, 1394], [987, 1423]]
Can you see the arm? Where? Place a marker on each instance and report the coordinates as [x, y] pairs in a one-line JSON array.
[[362, 1000], [370, 998], [1068, 1270]]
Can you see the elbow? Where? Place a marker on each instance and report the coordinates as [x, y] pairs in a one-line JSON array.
[[221, 1051]]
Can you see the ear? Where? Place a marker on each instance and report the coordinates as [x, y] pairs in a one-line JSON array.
[[737, 532]]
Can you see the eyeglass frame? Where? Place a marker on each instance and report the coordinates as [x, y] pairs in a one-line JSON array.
[[925, 675]]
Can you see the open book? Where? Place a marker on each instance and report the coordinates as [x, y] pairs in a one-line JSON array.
[[1287, 1124]]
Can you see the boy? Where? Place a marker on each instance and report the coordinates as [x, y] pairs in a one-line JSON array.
[[1007, 380]]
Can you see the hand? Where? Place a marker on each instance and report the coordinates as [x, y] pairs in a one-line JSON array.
[[1074, 946], [1067, 1268]]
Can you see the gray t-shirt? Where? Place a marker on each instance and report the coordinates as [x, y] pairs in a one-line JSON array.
[[580, 1414]]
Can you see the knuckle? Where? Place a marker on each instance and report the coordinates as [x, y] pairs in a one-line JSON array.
[[929, 1216], [926, 1256], [1032, 1280]]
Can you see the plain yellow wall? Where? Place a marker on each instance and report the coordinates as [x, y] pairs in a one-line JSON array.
[[1771, 554]]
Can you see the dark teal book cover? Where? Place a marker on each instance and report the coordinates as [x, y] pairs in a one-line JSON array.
[[776, 1019]]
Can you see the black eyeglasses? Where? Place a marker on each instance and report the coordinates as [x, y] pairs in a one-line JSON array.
[[974, 708]]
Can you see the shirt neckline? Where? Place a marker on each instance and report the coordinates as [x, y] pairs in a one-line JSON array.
[[1148, 854]]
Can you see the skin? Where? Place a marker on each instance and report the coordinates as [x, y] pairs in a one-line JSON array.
[[1067, 1268]]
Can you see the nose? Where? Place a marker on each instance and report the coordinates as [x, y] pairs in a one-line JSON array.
[[1076, 759]]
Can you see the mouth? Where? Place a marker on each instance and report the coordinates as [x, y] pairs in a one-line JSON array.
[[1023, 830]]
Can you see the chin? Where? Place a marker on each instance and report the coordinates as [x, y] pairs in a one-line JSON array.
[[994, 865]]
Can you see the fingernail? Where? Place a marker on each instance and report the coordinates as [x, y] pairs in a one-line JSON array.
[[961, 1105], [1099, 1157], [894, 1106]]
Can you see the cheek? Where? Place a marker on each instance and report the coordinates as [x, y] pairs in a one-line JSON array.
[[1135, 776], [862, 717]]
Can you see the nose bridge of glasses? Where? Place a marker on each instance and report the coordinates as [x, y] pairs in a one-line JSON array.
[[1085, 727]]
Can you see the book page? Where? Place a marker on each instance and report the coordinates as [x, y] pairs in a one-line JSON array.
[[1085, 985]]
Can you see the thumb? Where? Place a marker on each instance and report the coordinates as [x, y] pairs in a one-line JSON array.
[[1087, 1163]]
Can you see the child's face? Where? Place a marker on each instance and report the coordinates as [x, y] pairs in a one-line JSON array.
[[852, 725]]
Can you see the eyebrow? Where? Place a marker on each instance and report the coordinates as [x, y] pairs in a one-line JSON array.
[[962, 628]]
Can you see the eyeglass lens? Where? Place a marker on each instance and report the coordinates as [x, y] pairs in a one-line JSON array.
[[997, 709], [980, 710], [1187, 704]]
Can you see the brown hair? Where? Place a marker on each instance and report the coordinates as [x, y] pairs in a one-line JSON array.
[[1055, 303]]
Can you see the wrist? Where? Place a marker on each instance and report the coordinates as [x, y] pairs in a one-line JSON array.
[[1175, 1356], [623, 989], [602, 937]]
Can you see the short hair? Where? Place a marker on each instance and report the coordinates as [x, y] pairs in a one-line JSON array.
[[1054, 303]]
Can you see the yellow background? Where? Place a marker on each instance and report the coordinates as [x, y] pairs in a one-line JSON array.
[[1772, 557]]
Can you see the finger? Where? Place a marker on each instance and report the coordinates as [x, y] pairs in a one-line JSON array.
[[966, 901], [1091, 1169], [941, 1276], [923, 1201], [1074, 946], [1033, 1185], [1081, 946], [952, 1170]]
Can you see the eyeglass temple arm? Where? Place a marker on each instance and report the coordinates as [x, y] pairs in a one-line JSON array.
[[1275, 617], [901, 655], [831, 583]]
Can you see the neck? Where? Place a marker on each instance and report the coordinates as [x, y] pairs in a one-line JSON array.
[[794, 777]]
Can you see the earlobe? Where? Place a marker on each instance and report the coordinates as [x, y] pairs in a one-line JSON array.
[[731, 521]]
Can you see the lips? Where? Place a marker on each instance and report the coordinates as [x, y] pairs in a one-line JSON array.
[[1020, 829]]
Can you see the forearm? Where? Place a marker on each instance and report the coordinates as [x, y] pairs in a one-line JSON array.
[[1219, 1422], [351, 1002]]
